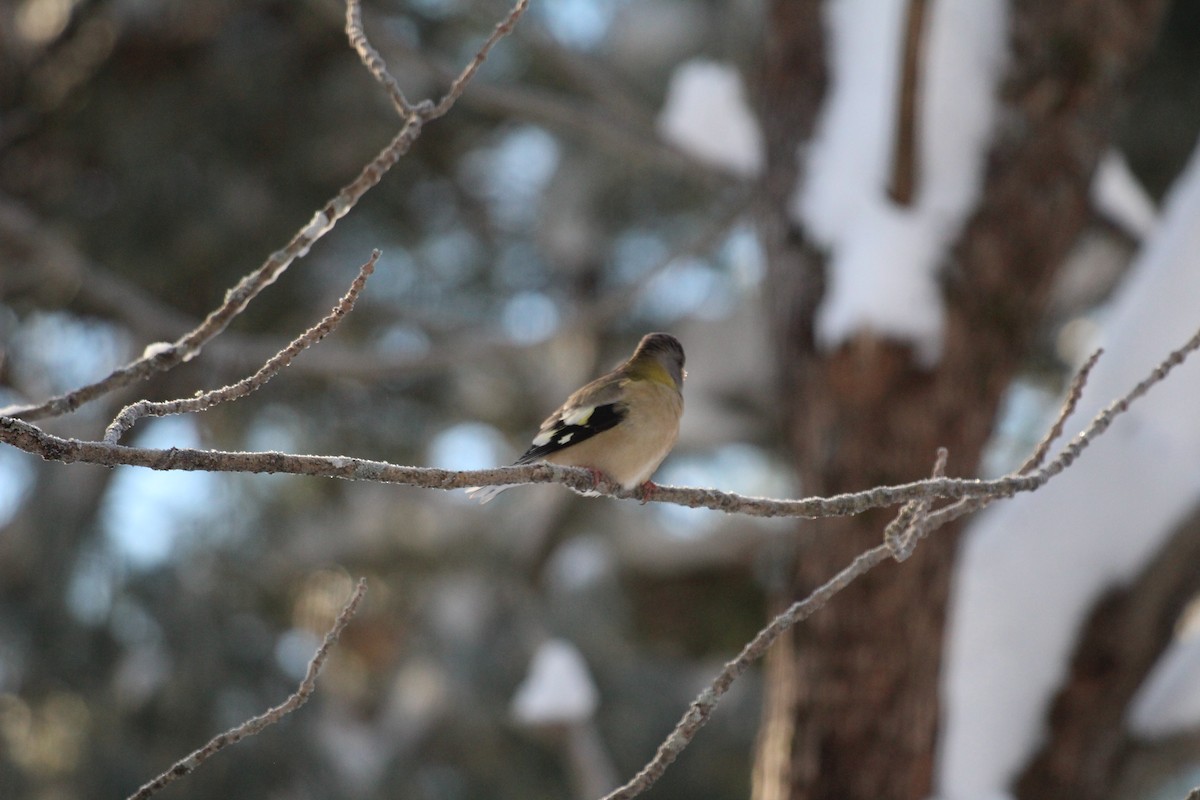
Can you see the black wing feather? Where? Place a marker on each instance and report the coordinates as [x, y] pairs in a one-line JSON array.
[[563, 436]]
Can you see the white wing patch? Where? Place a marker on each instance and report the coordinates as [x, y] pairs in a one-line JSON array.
[[579, 416], [543, 438], [567, 438]]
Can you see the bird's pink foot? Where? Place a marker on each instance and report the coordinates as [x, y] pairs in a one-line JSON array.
[[649, 489]]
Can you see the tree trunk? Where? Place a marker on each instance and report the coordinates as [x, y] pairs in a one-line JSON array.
[[1127, 632], [862, 680]]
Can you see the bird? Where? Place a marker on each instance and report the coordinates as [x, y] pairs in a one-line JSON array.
[[621, 425]]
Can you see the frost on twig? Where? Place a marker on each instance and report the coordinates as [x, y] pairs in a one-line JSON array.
[[308, 685], [145, 408]]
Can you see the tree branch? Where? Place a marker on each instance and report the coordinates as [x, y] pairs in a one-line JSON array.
[[459, 84], [703, 706], [191, 343], [186, 765], [202, 402], [32, 439], [903, 181], [912, 524]]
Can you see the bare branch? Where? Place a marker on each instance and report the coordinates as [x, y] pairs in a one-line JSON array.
[[186, 765], [143, 408], [704, 705], [612, 132], [900, 537], [902, 533], [947, 514], [1068, 408], [190, 344], [31, 439], [373, 61], [502, 29]]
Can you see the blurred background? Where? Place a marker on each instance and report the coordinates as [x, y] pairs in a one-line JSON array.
[[153, 153], [150, 155]]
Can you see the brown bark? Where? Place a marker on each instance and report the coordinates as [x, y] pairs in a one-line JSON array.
[[867, 667], [902, 187], [1126, 633]]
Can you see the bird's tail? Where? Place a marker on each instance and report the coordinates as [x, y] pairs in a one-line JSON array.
[[484, 493]]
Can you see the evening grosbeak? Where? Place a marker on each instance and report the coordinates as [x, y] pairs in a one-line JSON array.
[[622, 424]]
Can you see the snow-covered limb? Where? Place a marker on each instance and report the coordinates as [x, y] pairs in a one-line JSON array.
[[884, 258]]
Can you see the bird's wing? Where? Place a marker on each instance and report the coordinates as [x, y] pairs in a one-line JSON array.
[[593, 409]]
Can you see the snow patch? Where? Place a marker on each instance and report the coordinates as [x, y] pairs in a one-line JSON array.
[[1032, 567], [884, 260], [558, 689], [1120, 197], [706, 115]]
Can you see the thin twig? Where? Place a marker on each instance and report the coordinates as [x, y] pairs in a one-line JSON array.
[[188, 346], [901, 533], [186, 765], [32, 439], [502, 29], [596, 127], [373, 61], [704, 705], [1064, 413], [961, 508], [917, 525], [143, 408]]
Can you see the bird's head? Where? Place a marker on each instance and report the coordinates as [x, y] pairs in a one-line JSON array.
[[659, 357]]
